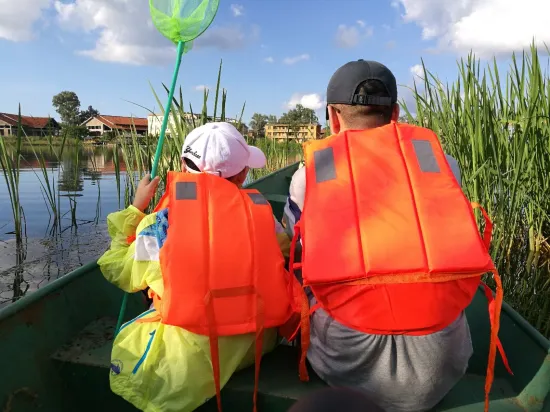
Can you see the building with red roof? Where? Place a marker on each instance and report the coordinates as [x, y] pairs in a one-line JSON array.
[[102, 123], [32, 126]]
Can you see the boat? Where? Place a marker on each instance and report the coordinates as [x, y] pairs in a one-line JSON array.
[[56, 345]]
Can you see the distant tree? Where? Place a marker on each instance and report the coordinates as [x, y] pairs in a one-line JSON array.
[[328, 132], [74, 132], [299, 115], [258, 122], [67, 105], [86, 114]]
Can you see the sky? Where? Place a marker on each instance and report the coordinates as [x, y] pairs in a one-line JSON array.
[[276, 53]]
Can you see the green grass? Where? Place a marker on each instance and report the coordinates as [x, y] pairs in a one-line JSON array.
[[10, 161], [497, 127]]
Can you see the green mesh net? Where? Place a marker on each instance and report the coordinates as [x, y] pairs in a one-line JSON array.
[[183, 20]]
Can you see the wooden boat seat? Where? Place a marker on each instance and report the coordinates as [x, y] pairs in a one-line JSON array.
[[279, 382]]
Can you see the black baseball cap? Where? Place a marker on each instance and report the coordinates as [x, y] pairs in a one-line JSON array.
[[343, 85]]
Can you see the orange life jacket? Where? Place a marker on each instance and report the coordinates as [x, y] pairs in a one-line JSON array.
[[390, 244], [221, 264]]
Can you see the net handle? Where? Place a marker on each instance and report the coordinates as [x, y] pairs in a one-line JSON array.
[[167, 110], [158, 153]]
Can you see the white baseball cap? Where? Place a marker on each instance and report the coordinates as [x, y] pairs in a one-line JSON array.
[[218, 148]]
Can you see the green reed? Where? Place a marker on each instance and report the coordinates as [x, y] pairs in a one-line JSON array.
[[10, 161], [138, 152], [497, 127]]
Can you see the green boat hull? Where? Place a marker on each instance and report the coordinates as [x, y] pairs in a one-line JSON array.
[[56, 344]]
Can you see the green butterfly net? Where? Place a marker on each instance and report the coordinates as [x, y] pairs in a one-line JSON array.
[[183, 20]]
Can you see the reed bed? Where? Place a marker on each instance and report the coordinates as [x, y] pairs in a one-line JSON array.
[[138, 152], [497, 127]]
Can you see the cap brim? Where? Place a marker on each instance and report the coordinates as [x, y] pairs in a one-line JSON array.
[[257, 158]]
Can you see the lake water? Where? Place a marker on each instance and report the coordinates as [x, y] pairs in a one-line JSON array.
[[86, 180]]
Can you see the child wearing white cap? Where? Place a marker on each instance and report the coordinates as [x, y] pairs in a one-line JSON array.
[[157, 366]]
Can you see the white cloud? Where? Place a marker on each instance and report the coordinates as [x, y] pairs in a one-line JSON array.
[[296, 59], [269, 59], [126, 34], [17, 18], [417, 70], [125, 31], [312, 101], [350, 36], [201, 87], [395, 4], [237, 9], [485, 26]]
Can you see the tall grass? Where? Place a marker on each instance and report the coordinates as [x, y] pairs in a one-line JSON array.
[[10, 161], [497, 127], [138, 152]]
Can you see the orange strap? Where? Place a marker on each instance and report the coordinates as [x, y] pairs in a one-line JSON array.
[[213, 334], [314, 308], [495, 306], [491, 300], [494, 316], [488, 231], [305, 311], [305, 331]]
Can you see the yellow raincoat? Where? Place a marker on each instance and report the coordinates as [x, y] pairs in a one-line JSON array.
[[159, 367]]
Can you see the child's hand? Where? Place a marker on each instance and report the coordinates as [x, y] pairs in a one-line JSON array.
[[145, 192]]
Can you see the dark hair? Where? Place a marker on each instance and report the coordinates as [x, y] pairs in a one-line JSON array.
[[191, 165], [360, 117]]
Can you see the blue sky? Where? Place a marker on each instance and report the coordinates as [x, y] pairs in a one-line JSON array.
[[275, 52]]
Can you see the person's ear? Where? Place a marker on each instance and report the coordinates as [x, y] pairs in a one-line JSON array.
[[240, 178], [334, 120], [395, 112]]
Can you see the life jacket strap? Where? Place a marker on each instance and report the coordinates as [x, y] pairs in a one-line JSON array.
[[259, 315], [495, 306], [305, 311], [488, 231], [305, 336], [491, 300]]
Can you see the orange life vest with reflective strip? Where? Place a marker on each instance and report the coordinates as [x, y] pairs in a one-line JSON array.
[[390, 244], [221, 264]]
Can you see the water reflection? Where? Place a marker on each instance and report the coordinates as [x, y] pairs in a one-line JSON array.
[[66, 196], [84, 186]]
